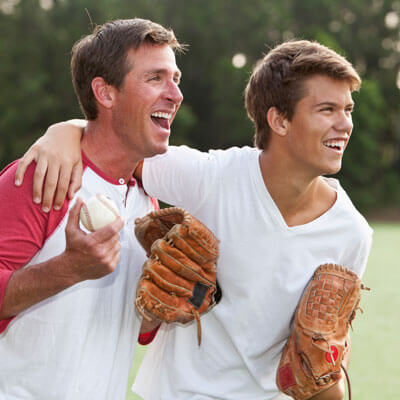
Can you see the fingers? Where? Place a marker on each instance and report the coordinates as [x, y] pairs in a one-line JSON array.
[[91, 255], [38, 179], [62, 188], [23, 164], [106, 233], [73, 218], [50, 185], [110, 251], [103, 235], [76, 179]]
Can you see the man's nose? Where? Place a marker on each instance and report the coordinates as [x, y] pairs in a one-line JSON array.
[[174, 93]]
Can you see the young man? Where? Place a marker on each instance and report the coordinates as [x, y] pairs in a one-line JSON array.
[[276, 216], [68, 327]]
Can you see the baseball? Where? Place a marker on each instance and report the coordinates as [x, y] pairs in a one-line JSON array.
[[97, 212]]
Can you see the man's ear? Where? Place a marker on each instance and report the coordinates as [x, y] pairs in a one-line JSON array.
[[277, 121], [103, 92]]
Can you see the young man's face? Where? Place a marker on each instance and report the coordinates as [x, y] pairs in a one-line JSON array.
[[321, 126], [146, 104]]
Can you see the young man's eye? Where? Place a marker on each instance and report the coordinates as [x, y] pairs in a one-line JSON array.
[[327, 109]]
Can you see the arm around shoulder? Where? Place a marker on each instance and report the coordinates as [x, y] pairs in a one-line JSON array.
[[58, 163]]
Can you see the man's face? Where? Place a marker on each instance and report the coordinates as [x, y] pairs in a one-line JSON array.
[[146, 104], [321, 126]]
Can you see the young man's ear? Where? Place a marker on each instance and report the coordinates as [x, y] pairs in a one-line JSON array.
[[103, 92], [277, 121]]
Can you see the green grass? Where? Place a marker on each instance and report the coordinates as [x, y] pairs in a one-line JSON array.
[[375, 361], [374, 365], [140, 350]]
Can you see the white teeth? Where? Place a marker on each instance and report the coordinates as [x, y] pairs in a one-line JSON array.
[[161, 115], [334, 143]]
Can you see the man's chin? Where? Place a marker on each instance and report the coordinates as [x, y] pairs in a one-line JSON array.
[[161, 149]]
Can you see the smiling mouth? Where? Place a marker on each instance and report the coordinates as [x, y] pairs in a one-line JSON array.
[[162, 119], [335, 144]]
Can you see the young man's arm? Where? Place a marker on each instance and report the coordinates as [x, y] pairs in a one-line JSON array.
[[58, 164]]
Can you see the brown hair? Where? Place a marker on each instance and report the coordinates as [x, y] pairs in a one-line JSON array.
[[277, 80], [104, 54]]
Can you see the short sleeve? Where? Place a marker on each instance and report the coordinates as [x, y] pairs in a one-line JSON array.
[[183, 176], [24, 226]]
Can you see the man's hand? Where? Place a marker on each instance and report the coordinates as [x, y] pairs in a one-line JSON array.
[[87, 256], [58, 164], [91, 255]]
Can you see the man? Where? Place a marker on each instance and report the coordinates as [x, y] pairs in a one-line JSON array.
[[68, 326], [276, 216]]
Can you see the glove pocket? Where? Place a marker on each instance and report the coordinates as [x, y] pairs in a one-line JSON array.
[[167, 279], [200, 245], [162, 305], [179, 263]]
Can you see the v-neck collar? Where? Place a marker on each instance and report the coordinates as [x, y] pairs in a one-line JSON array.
[[266, 198]]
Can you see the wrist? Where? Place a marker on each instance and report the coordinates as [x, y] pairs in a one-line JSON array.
[[68, 268]]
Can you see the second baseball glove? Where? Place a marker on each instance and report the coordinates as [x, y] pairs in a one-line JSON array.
[[178, 281], [319, 345]]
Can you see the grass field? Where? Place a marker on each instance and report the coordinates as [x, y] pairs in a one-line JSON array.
[[375, 361]]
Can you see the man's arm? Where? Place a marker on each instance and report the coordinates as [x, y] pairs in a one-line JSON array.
[[59, 165], [87, 256]]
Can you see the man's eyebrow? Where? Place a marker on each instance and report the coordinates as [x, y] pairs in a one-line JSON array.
[[333, 104], [162, 71]]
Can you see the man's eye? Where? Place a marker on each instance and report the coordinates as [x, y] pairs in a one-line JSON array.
[[328, 109], [155, 78]]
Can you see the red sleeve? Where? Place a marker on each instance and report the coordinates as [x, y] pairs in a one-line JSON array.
[[147, 338], [24, 226]]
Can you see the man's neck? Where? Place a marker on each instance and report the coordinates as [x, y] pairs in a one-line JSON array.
[[300, 197], [103, 147]]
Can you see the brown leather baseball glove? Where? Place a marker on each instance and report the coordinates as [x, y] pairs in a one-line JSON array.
[[178, 281], [319, 346]]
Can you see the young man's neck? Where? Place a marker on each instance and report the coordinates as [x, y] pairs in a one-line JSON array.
[[103, 147], [300, 197]]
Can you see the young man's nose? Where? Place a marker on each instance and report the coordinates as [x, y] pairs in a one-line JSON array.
[[344, 123]]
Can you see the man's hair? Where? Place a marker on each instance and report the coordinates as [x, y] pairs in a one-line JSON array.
[[104, 54], [278, 80]]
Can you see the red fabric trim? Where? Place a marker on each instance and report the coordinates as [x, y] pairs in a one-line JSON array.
[[146, 338], [95, 168], [24, 226], [154, 201]]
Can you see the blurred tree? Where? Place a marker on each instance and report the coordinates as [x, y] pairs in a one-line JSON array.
[[37, 36]]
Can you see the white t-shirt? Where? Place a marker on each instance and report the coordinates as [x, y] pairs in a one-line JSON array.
[[263, 268], [80, 343]]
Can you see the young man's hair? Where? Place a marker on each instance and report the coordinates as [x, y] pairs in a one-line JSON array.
[[278, 80], [104, 54]]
